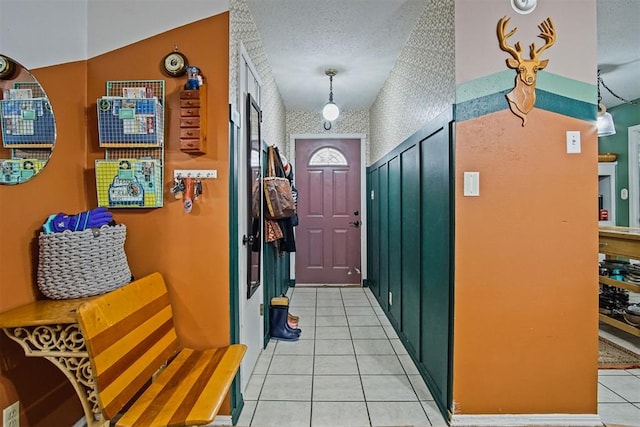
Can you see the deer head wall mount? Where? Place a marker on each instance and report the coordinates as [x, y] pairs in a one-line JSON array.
[[523, 96]]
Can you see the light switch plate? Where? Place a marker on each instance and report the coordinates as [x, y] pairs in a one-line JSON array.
[[573, 141], [472, 184]]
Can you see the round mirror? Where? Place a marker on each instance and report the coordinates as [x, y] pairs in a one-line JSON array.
[[27, 124]]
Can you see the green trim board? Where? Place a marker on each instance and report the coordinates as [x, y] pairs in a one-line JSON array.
[[435, 125], [237, 401], [554, 93], [504, 81], [483, 86], [452, 255], [544, 100]]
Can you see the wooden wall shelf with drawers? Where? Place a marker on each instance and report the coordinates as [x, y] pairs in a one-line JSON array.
[[623, 242], [193, 120]]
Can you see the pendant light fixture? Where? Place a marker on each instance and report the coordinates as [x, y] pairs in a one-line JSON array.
[[604, 122], [330, 111]]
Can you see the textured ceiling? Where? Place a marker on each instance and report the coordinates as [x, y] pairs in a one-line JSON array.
[[363, 38], [619, 49], [360, 38]]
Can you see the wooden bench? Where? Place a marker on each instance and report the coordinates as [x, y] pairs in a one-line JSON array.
[[130, 336]]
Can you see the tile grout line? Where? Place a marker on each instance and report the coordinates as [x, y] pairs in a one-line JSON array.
[[614, 392], [313, 357], [263, 382], [355, 356], [405, 369]]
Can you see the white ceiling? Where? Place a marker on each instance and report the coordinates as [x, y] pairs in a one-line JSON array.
[[619, 49], [363, 38], [360, 38]]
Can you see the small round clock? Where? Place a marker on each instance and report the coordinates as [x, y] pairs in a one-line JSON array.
[[175, 64], [7, 68]]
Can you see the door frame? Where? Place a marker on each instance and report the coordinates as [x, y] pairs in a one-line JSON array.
[[634, 176], [245, 305], [363, 189]]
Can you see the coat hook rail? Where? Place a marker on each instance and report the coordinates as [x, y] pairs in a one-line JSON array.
[[195, 173]]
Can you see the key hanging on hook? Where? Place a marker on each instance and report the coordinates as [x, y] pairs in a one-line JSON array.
[[178, 188], [197, 189], [188, 193]]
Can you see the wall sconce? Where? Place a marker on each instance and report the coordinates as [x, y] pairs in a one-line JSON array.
[[330, 112]]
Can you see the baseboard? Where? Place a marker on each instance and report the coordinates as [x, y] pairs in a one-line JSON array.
[[528, 420]]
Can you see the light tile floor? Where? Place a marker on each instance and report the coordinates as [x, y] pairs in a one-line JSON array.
[[619, 390], [350, 369], [619, 396]]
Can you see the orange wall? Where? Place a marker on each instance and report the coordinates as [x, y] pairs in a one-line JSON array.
[[59, 187], [23, 208], [190, 250], [525, 334]]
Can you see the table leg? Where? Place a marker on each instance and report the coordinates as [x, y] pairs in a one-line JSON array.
[[63, 345]]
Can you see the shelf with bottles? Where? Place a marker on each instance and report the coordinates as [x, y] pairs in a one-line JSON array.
[[607, 193]]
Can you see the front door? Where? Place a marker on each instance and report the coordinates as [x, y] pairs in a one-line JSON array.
[[328, 235]]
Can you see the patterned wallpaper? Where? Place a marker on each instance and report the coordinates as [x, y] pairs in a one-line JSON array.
[[422, 83], [243, 28], [311, 122]]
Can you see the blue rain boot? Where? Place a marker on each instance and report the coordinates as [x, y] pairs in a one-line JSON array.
[[278, 323]]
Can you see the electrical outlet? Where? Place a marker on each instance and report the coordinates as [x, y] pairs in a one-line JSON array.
[[11, 415]]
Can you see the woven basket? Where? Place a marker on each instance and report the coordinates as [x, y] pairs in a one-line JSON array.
[[77, 264]]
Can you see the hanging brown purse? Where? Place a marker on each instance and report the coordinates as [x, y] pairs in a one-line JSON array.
[[272, 231], [278, 196]]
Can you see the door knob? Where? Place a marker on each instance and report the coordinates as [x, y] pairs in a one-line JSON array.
[[355, 224]]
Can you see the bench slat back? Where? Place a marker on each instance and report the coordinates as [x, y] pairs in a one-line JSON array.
[[129, 334]]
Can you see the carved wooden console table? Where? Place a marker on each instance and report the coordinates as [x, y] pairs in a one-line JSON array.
[[49, 329]]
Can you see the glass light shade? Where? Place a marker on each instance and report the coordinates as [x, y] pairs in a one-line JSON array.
[[605, 125], [330, 111]]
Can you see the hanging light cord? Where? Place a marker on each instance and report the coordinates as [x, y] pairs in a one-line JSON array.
[[330, 88], [611, 92]]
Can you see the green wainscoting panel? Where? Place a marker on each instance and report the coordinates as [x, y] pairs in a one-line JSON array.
[[275, 279], [410, 252], [436, 236], [268, 284], [383, 253], [373, 234], [395, 241], [410, 214], [234, 298]]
